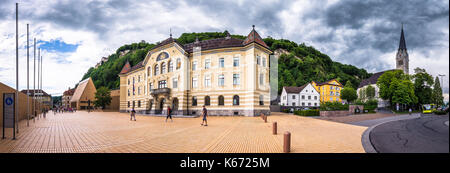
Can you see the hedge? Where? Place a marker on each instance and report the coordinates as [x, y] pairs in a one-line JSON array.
[[313, 112]]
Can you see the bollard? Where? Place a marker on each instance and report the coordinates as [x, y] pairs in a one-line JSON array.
[[261, 115], [265, 118], [274, 128], [287, 142]]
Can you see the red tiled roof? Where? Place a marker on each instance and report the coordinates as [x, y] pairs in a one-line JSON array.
[[126, 68], [213, 44], [69, 92], [253, 36]]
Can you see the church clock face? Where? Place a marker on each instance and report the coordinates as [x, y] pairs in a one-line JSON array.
[[400, 62]]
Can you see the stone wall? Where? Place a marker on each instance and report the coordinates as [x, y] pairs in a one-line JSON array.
[[334, 113]]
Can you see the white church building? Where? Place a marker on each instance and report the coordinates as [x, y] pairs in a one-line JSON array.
[[402, 63]]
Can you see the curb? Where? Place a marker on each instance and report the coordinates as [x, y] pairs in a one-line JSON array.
[[365, 139], [446, 123]]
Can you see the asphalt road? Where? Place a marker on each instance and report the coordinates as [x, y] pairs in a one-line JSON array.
[[427, 134]]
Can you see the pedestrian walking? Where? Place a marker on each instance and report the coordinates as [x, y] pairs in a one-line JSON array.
[[169, 114], [410, 111], [204, 113], [133, 114]]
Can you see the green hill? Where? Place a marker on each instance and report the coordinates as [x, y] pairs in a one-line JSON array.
[[301, 65]]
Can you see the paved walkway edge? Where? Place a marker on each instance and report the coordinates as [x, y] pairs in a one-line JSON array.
[[365, 139]]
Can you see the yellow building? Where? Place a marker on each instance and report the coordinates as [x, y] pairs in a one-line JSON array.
[[229, 76], [330, 91]]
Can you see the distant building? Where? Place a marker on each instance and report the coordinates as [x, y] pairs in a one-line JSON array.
[[330, 91], [402, 63], [83, 95], [41, 96], [303, 96], [66, 97]]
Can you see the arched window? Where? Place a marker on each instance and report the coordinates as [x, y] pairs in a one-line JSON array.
[[163, 68], [261, 100], [194, 101], [221, 100], [170, 66], [156, 69], [128, 103], [128, 93], [178, 63], [235, 100], [207, 101], [149, 71], [139, 103]]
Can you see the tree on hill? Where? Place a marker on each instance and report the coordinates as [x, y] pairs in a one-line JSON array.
[[102, 97], [437, 98]]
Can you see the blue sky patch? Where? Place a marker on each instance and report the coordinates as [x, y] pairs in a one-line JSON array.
[[57, 46]]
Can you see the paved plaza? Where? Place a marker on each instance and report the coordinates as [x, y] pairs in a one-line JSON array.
[[112, 132]]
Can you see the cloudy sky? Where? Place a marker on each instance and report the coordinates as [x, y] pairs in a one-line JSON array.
[[75, 34]]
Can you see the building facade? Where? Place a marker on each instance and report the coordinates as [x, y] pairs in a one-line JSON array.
[[40, 96], [330, 91], [304, 96], [228, 75], [66, 97]]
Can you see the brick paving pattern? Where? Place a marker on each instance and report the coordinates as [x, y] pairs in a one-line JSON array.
[[110, 132]]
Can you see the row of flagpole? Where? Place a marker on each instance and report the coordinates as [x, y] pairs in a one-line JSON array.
[[37, 94]]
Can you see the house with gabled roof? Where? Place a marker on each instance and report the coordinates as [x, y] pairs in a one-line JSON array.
[[84, 95], [300, 97]]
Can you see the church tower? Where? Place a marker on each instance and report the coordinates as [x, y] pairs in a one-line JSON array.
[[402, 59]]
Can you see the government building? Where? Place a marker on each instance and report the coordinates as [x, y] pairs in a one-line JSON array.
[[229, 76]]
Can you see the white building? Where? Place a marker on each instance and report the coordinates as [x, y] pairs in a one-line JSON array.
[[304, 96]]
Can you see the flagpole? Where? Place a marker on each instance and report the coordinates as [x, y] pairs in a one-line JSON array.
[[28, 77], [16, 116], [37, 91], [34, 82]]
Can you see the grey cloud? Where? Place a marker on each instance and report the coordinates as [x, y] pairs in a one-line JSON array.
[[418, 17]]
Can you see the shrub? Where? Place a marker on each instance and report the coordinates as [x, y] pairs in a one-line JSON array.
[[285, 110], [333, 106], [313, 112]]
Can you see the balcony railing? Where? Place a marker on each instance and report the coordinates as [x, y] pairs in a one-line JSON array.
[[160, 91]]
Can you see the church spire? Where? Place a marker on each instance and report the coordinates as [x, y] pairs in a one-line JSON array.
[[402, 44]]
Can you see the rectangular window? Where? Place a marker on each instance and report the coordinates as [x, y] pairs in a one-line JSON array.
[[264, 62], [194, 65], [235, 61], [303, 97], [175, 82], [221, 62], [236, 80], [207, 63], [221, 80], [162, 84], [258, 60], [261, 79], [207, 81], [309, 97], [194, 82]]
